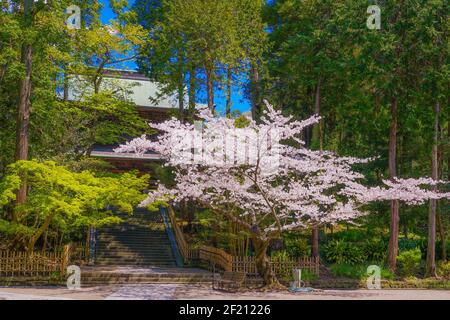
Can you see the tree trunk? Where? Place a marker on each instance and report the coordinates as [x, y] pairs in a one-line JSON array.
[[440, 224], [431, 249], [181, 85], [316, 142], [316, 136], [315, 242], [229, 83], [255, 94], [393, 240], [23, 117], [210, 85], [66, 86], [35, 237], [263, 263], [192, 89]]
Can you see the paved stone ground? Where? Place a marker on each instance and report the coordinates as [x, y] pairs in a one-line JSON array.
[[195, 292], [144, 270]]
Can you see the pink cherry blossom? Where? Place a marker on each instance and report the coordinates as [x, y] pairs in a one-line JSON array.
[[308, 188]]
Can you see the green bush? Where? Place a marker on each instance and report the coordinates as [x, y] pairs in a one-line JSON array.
[[444, 269], [352, 235], [409, 261], [347, 270], [280, 254], [375, 250], [308, 275], [297, 247], [341, 252]]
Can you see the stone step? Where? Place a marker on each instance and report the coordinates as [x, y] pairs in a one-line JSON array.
[[140, 240], [131, 261], [130, 253], [134, 257], [143, 241], [105, 275], [131, 235], [144, 248], [133, 239], [134, 260], [139, 224], [137, 264], [134, 234], [135, 253], [133, 244]]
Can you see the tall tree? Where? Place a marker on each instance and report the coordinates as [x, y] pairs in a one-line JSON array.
[[203, 41], [24, 105]]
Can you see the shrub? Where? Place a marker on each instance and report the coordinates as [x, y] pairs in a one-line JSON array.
[[297, 247], [340, 252], [352, 235], [375, 250], [281, 255], [347, 270], [409, 261], [444, 269], [308, 275]]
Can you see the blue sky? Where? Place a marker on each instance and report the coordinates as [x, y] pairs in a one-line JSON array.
[[238, 101]]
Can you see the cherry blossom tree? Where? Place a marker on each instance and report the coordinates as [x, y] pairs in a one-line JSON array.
[[267, 182]]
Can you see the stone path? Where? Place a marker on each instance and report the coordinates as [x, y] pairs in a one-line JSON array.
[[145, 292], [198, 292]]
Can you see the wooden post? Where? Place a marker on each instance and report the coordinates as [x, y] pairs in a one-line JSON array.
[[65, 259]]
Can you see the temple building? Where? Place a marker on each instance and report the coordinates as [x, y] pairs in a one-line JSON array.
[[150, 104]]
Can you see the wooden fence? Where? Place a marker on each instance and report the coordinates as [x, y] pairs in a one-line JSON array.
[[18, 263], [223, 260], [280, 265]]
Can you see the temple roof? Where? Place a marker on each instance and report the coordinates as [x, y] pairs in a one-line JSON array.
[[137, 88]]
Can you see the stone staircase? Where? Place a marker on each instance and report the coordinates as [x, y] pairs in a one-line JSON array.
[[139, 241], [120, 275]]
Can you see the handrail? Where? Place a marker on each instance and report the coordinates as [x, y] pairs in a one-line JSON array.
[[215, 256], [183, 246], [225, 261]]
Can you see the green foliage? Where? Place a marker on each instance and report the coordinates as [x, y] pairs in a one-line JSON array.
[[405, 244], [241, 122], [188, 38], [375, 250], [351, 235], [357, 271], [444, 269], [297, 247], [164, 175], [308, 275], [66, 200], [280, 255], [338, 251], [105, 118], [409, 261], [347, 270]]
